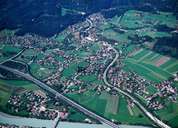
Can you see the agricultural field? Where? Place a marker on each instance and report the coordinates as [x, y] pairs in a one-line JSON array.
[[153, 66], [136, 22], [8, 51], [142, 60], [110, 106], [76, 116], [7, 32], [27, 55], [11, 87], [60, 37], [147, 63], [40, 71], [156, 68], [171, 113]]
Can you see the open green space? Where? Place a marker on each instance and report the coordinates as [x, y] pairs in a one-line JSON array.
[[142, 71], [88, 78], [124, 116], [135, 19], [111, 34], [68, 72], [98, 103], [157, 70], [151, 89], [76, 116], [81, 53], [61, 36], [40, 71], [27, 55], [139, 55], [132, 20], [91, 100], [11, 87], [72, 68], [7, 32], [4, 96], [19, 83], [169, 63], [171, 113], [9, 48], [144, 63], [173, 69], [7, 51], [137, 22]]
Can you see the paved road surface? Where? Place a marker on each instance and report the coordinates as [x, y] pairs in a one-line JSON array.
[[13, 57]]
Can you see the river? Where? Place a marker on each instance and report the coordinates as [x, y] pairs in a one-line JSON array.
[[21, 121]]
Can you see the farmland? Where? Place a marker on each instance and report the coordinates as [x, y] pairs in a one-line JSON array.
[[99, 104], [12, 87], [7, 51], [145, 63], [142, 60]]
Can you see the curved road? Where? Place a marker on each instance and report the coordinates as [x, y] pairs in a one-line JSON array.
[[13, 57], [60, 96], [90, 24], [147, 113]]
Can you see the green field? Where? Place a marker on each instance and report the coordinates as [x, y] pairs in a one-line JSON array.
[[144, 61], [19, 83], [61, 36], [11, 87], [7, 32], [133, 19], [27, 55], [98, 104], [9, 48], [72, 68], [7, 51], [4, 96], [76, 116], [111, 34], [40, 71], [88, 78], [171, 113]]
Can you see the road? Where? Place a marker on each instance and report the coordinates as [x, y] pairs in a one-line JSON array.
[[90, 24], [13, 57], [156, 121], [60, 96]]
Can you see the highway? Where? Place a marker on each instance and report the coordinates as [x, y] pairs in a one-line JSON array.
[[13, 57], [60, 96], [156, 121]]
